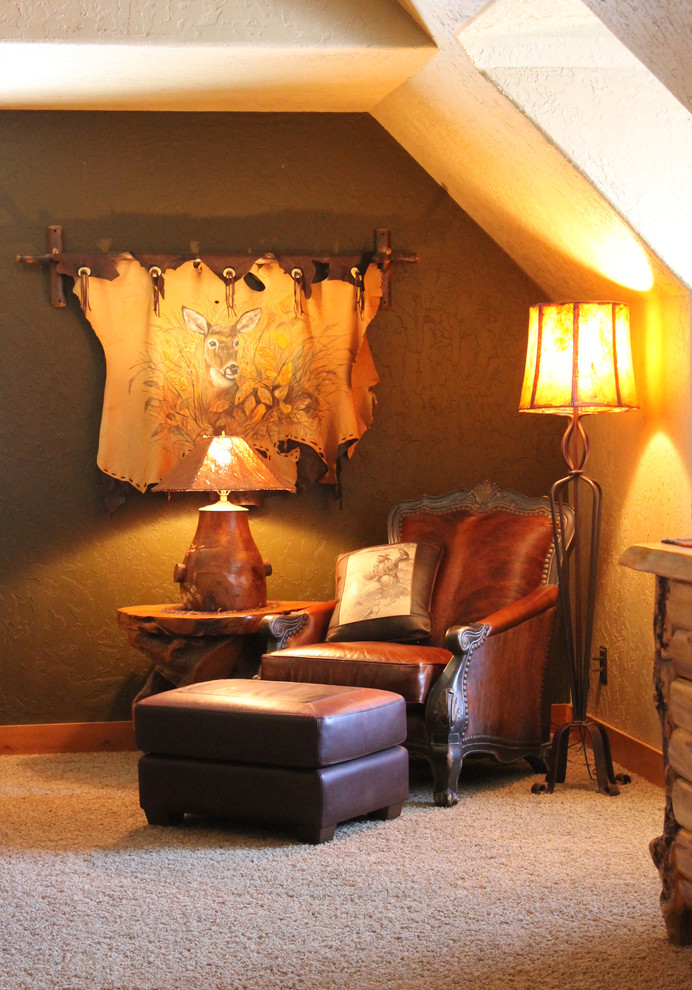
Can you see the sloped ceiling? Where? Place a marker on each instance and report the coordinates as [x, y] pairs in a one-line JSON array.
[[600, 105], [659, 33], [503, 118], [571, 150]]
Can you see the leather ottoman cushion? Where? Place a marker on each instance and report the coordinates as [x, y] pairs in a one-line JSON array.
[[270, 722]]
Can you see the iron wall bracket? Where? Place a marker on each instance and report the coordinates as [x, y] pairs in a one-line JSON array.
[[384, 256]]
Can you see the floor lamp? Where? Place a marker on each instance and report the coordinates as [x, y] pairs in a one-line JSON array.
[[578, 363]]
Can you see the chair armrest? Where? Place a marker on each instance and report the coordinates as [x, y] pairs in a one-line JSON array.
[[536, 602], [465, 639], [300, 628]]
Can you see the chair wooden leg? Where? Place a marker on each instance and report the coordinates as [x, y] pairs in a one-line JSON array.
[[445, 760]]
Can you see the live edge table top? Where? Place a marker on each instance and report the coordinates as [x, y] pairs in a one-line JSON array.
[[188, 646], [174, 620]]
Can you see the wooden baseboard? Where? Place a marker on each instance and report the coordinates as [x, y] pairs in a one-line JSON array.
[[67, 737], [633, 754], [96, 737], [560, 715]]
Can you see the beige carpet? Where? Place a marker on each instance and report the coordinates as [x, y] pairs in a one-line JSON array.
[[507, 890]]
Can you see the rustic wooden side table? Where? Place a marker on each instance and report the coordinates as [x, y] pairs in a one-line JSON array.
[[187, 646]]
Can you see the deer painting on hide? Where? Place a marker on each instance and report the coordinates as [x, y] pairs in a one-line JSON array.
[[220, 352], [190, 379]]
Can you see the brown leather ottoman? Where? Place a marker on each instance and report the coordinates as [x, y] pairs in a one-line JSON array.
[[306, 755]]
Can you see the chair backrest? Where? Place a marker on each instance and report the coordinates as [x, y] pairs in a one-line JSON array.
[[498, 546]]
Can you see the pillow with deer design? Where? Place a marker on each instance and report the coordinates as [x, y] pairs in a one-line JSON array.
[[383, 593]]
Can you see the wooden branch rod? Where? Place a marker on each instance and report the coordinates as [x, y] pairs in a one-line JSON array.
[[384, 256]]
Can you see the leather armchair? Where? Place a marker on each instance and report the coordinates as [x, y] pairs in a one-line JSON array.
[[477, 686]]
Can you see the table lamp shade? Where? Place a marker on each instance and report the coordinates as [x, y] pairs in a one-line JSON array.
[[222, 464], [579, 359]]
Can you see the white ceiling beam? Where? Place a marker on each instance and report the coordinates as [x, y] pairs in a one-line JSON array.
[[220, 78]]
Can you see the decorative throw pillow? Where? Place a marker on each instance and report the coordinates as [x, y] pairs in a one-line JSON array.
[[383, 593]]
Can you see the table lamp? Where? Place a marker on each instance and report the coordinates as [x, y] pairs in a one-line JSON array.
[[578, 363], [222, 570]]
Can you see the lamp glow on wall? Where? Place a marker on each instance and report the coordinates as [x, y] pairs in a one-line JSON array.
[[578, 363], [223, 569]]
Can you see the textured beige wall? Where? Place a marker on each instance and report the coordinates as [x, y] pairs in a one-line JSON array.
[[642, 459], [449, 354]]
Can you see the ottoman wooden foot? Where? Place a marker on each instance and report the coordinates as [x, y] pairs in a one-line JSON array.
[[314, 835], [388, 813], [157, 816]]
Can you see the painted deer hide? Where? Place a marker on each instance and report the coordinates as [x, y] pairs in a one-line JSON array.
[[286, 370]]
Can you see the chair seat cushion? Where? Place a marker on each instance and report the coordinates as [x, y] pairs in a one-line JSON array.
[[409, 670]]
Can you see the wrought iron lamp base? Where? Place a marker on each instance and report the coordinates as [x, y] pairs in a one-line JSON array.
[[577, 565], [607, 780]]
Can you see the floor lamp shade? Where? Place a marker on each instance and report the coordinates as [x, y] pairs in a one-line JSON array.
[[578, 362], [579, 359]]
